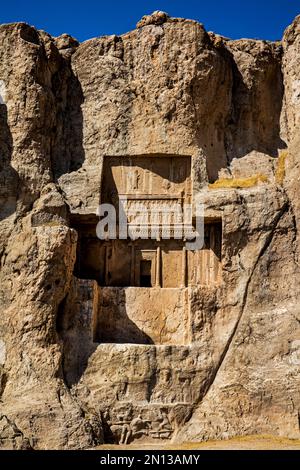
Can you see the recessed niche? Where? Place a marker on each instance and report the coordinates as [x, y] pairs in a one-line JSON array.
[[145, 273], [149, 263]]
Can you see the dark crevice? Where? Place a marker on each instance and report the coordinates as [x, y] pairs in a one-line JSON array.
[[60, 316], [3, 382]]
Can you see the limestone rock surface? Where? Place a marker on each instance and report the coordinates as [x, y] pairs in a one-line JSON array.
[[166, 88]]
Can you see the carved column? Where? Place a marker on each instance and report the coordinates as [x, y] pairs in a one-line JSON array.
[[132, 267], [158, 267], [184, 268]]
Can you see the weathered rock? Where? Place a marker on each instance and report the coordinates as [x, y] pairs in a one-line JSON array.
[[11, 436], [221, 356], [34, 231], [157, 18]]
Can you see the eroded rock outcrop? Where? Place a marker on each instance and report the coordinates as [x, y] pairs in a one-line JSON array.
[[166, 90]]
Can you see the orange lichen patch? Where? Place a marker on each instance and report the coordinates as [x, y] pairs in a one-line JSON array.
[[224, 183], [280, 170]]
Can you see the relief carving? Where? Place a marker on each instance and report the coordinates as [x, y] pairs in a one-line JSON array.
[[152, 423]]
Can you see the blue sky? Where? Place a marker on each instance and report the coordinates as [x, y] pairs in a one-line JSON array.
[[264, 19]]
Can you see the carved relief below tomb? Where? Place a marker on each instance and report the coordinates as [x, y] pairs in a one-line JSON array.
[[125, 424]]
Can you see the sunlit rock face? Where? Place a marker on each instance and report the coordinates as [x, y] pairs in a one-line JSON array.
[[124, 340]]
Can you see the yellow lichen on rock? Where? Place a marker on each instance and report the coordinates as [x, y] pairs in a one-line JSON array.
[[280, 170], [224, 183]]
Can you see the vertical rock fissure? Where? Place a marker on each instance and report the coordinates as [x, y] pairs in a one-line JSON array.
[[264, 248]]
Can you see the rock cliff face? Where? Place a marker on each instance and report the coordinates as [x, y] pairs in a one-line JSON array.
[[166, 88]]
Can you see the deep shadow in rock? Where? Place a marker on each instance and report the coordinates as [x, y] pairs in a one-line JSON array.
[[68, 152], [8, 176], [81, 336], [114, 324], [74, 330], [255, 127], [253, 123]]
